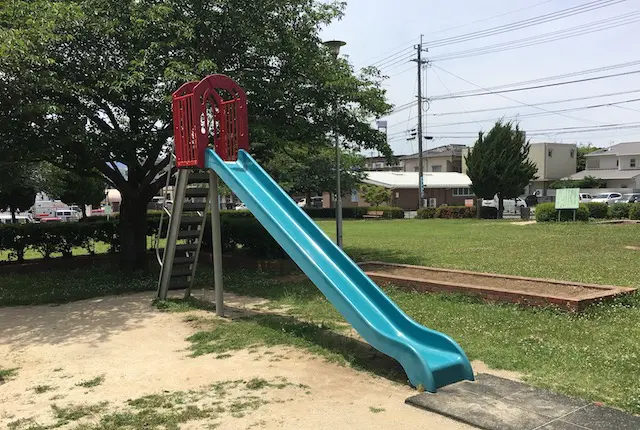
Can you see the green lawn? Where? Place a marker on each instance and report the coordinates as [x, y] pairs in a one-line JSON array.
[[595, 355]]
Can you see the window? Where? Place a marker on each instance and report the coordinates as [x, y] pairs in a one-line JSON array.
[[572, 153], [550, 153], [462, 192], [354, 196], [632, 163], [617, 163], [436, 168]]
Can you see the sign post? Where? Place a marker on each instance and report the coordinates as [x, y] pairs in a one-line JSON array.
[[107, 211], [567, 198]]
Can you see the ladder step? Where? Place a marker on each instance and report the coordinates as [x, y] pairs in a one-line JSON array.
[[176, 273], [178, 283], [184, 260], [193, 206], [188, 234], [197, 192], [186, 247], [190, 220], [199, 178]]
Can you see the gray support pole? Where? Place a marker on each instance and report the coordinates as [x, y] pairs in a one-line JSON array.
[[172, 235], [216, 238], [338, 195]]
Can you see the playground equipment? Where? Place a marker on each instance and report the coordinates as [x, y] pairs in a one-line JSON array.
[[215, 108]]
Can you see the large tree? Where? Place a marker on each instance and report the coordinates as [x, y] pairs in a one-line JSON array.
[[17, 187], [499, 164], [94, 79], [311, 170]]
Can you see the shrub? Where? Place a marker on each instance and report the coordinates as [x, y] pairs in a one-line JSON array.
[[598, 210], [319, 213], [634, 211], [14, 238], [546, 212], [426, 213], [488, 212], [456, 212], [620, 210], [388, 211]]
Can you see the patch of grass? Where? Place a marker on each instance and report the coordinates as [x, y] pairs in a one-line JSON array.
[[90, 383], [58, 369], [239, 406], [25, 424], [39, 389], [183, 305], [62, 286], [376, 410], [8, 374], [75, 412], [219, 336], [222, 356]]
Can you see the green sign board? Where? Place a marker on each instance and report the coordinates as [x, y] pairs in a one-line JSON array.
[[108, 210], [567, 198]]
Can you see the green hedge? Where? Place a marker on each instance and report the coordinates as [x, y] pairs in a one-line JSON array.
[[426, 213], [354, 213], [634, 211], [546, 212], [456, 212], [620, 210], [598, 210]]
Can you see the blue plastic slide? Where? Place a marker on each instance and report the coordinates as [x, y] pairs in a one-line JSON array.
[[430, 358]]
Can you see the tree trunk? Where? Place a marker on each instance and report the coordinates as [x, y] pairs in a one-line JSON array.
[[500, 206], [133, 231], [479, 208], [307, 196], [13, 215]]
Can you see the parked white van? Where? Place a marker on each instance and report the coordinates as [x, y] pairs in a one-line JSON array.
[[67, 215], [5, 218]]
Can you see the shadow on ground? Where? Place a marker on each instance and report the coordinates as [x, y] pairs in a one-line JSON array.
[[88, 321]]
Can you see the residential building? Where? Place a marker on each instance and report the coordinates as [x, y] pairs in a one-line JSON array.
[[618, 165], [447, 158], [450, 188], [553, 160], [380, 163]]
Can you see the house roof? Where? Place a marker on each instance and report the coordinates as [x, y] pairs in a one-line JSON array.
[[410, 179], [606, 174], [453, 150], [627, 148]]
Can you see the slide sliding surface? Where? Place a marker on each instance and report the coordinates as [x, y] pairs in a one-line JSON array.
[[429, 358]]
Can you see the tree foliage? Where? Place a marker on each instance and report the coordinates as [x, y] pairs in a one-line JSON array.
[[17, 187], [86, 188], [581, 159], [375, 195], [90, 82], [499, 163], [586, 182], [311, 170]]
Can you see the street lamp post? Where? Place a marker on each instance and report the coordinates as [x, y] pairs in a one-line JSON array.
[[334, 46]]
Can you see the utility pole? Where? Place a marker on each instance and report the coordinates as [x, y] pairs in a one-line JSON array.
[[420, 62]]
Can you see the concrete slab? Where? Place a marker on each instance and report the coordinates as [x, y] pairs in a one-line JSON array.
[[561, 425], [494, 403], [479, 410], [493, 386], [543, 402], [596, 417]]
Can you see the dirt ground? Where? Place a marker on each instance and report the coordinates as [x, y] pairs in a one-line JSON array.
[[122, 348]]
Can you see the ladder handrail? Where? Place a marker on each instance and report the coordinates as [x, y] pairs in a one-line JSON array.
[[168, 169]]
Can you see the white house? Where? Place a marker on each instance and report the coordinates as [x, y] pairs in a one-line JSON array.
[[618, 165]]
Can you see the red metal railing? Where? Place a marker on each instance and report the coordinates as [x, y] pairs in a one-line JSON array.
[[202, 118]]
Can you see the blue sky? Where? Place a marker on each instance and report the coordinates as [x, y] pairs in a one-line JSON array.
[[375, 30]]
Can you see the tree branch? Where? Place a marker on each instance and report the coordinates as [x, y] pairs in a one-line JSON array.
[[154, 170], [114, 175]]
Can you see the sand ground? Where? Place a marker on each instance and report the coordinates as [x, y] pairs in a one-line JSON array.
[[138, 350]]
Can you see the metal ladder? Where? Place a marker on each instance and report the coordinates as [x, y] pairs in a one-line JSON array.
[[186, 224]]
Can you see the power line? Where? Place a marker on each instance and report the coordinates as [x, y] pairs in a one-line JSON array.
[[512, 99], [535, 87], [555, 77], [518, 25], [561, 130], [456, 100], [579, 30], [613, 104], [490, 18], [541, 103]]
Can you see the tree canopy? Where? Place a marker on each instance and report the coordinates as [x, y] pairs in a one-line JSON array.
[[90, 82], [499, 164], [375, 195], [17, 187]]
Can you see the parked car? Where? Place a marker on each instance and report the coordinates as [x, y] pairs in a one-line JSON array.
[[608, 198], [629, 198], [241, 207], [5, 218], [509, 204], [585, 197]]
